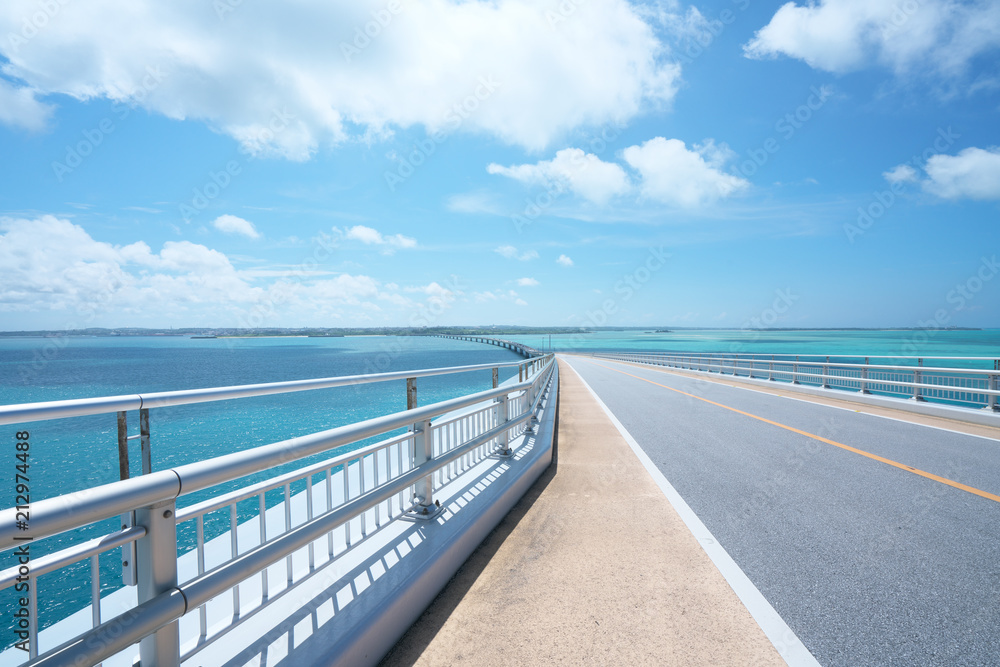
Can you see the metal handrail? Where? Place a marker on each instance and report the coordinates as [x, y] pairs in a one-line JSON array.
[[161, 489], [61, 513], [79, 407], [767, 358], [790, 370], [759, 355], [939, 370]]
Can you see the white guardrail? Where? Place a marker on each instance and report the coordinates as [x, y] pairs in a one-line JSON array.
[[365, 490], [918, 378]]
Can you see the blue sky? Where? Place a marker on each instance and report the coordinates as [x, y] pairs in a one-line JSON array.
[[724, 164]]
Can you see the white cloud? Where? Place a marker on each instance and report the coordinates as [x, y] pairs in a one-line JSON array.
[[230, 224], [19, 108], [520, 302], [680, 177], [845, 35], [902, 173], [370, 236], [974, 174], [497, 295], [583, 173], [73, 280], [289, 79], [563, 260], [511, 252], [473, 202], [527, 282]]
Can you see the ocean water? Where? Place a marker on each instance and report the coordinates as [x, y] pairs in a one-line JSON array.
[[846, 343], [76, 453]]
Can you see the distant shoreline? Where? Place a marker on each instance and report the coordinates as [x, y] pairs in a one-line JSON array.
[[204, 333]]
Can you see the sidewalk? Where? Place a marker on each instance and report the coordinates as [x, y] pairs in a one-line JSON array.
[[593, 566]]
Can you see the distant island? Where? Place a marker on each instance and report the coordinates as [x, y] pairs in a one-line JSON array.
[[485, 330]]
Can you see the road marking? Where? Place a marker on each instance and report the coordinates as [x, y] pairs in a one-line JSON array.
[[784, 639], [881, 459], [822, 402]]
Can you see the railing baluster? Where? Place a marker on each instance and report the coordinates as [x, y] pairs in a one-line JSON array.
[[329, 507], [262, 510], [309, 515], [288, 526], [33, 620], [235, 546], [95, 590], [200, 555]]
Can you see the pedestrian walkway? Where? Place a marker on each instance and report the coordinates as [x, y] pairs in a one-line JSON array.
[[593, 566]]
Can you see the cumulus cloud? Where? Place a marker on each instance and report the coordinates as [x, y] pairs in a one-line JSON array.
[[73, 280], [903, 173], [490, 296], [563, 260], [230, 224], [287, 80], [673, 174], [20, 108], [527, 282], [584, 173], [511, 252], [972, 174], [370, 236], [668, 172], [845, 35]]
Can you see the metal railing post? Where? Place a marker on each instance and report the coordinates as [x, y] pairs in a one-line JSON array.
[[496, 377], [423, 451], [917, 377], [411, 393], [156, 568], [503, 410], [795, 370], [864, 378], [770, 369], [122, 445], [825, 383], [991, 383], [147, 454]]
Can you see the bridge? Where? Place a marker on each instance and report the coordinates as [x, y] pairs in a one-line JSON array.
[[520, 348], [682, 509]]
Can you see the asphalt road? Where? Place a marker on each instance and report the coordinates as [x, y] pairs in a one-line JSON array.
[[868, 563]]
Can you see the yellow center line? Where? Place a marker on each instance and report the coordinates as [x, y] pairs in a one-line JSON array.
[[876, 457]]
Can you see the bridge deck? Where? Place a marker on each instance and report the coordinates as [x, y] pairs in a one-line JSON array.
[[593, 566]]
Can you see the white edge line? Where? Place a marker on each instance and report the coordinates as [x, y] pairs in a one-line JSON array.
[[760, 390], [787, 643]]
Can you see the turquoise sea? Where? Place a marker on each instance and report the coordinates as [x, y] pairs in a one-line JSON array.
[[71, 454], [848, 343]]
